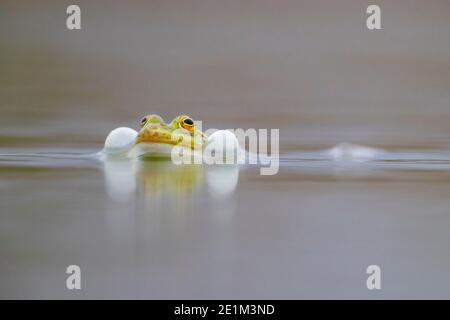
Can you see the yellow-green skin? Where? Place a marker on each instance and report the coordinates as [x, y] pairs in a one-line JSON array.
[[180, 131]]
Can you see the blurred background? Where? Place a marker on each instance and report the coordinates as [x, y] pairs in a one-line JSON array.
[[310, 68]]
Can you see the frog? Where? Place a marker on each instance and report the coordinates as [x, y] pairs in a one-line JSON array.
[[157, 140]]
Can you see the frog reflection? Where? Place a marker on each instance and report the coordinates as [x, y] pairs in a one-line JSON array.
[[124, 178], [160, 176]]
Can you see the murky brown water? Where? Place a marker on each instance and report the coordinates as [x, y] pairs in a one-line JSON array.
[[151, 230]]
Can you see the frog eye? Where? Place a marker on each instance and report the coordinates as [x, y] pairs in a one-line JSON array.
[[152, 118], [188, 124], [143, 121], [188, 121]]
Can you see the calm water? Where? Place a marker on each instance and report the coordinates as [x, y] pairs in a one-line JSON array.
[[153, 230]]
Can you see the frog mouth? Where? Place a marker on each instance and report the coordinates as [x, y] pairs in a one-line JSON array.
[[151, 134]]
